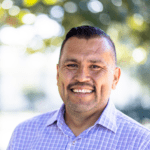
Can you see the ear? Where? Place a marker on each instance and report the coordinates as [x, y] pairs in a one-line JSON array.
[[57, 67], [117, 73]]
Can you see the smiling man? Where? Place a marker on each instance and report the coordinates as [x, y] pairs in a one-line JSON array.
[[86, 73]]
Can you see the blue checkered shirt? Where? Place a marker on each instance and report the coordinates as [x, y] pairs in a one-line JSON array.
[[112, 131]]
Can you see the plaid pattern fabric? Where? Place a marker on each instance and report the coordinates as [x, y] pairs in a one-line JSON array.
[[112, 131]]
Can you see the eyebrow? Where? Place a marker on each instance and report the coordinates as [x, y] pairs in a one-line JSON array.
[[70, 59], [91, 61], [95, 61]]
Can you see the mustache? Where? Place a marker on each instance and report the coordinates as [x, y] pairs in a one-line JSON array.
[[80, 84]]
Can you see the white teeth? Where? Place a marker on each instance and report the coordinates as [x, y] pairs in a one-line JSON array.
[[82, 91]]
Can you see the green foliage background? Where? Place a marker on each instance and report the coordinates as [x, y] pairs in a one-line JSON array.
[[122, 27]]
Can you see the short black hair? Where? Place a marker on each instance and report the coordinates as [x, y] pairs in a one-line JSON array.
[[88, 32]]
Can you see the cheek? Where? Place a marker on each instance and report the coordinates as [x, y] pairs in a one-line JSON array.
[[68, 77], [104, 77], [103, 83], [61, 87], [64, 79], [99, 75], [99, 78], [105, 90]]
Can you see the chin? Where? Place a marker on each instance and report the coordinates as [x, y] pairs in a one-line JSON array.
[[82, 107]]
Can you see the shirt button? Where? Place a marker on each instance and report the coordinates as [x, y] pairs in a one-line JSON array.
[[73, 142]]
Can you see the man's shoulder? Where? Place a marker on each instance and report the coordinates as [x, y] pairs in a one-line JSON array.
[[37, 121], [130, 124], [26, 132]]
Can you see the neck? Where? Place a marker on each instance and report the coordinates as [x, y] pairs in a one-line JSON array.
[[78, 122]]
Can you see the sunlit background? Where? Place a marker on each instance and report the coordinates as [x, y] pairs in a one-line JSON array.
[[31, 33]]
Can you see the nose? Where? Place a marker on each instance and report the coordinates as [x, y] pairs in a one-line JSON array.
[[82, 75]]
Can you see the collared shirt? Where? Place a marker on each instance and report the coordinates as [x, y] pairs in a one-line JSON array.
[[112, 131]]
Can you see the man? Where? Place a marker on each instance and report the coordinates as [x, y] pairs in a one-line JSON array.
[[87, 120]]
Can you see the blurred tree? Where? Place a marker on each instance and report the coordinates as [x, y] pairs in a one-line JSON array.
[[137, 112], [33, 95], [126, 21]]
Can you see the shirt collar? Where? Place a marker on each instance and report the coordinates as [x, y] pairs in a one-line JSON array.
[[107, 118], [58, 114]]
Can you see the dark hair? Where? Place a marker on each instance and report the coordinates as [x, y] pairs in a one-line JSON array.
[[88, 32]]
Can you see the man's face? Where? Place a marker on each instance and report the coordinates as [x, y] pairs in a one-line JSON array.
[[86, 74]]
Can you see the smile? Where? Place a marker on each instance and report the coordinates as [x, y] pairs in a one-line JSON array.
[[81, 91]]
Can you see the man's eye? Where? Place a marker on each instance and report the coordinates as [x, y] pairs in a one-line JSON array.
[[95, 67], [72, 65]]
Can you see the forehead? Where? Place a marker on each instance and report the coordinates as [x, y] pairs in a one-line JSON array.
[[84, 49]]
